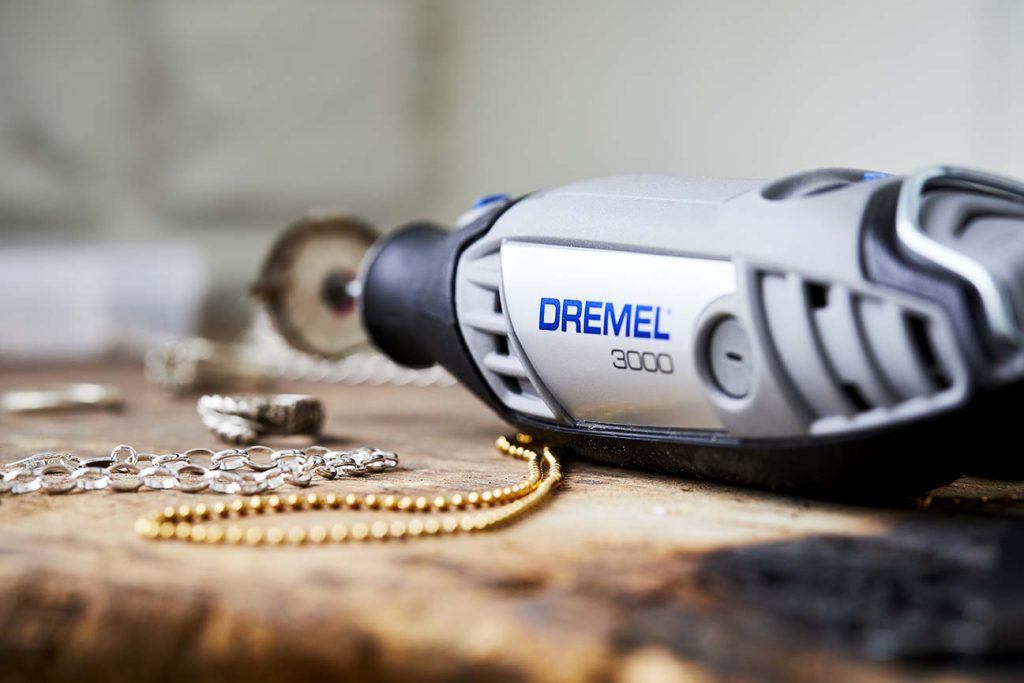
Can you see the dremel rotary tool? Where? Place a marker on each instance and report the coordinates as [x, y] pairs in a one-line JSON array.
[[837, 331]]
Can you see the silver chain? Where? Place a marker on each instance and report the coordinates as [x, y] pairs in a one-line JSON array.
[[360, 367], [236, 471], [184, 365]]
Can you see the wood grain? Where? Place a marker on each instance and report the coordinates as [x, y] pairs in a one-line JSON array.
[[624, 576]]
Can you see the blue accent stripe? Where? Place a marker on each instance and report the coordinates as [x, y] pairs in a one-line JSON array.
[[490, 199]]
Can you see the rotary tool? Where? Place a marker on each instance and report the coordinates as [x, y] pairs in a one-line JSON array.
[[836, 331]]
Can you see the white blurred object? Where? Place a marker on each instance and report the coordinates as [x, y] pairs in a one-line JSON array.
[[76, 303]]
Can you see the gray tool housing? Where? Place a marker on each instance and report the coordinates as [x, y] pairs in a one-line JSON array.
[[828, 307]]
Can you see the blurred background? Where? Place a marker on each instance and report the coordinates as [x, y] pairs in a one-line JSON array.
[[150, 151]]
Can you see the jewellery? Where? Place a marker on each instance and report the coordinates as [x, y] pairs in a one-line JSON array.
[[186, 365], [125, 469], [495, 507], [67, 397], [359, 366], [243, 419]]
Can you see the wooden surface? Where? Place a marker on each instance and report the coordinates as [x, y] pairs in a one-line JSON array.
[[625, 576]]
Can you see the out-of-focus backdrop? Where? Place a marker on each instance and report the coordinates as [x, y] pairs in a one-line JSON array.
[[149, 151]]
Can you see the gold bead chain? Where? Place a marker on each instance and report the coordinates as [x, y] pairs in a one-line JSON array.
[[496, 506]]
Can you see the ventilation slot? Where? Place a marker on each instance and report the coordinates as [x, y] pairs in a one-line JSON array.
[[922, 341], [501, 357], [486, 328], [501, 346], [847, 352], [817, 294], [856, 397]]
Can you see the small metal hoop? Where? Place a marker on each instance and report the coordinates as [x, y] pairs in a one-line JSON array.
[[57, 487], [261, 451], [231, 459], [91, 478], [22, 480], [201, 484], [221, 481], [127, 484], [158, 477]]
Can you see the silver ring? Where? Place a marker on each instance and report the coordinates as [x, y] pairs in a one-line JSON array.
[[244, 419]]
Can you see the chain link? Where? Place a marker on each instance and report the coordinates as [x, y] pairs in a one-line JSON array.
[[245, 471], [474, 511]]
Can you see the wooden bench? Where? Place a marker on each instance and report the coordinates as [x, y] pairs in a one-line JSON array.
[[624, 576]]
